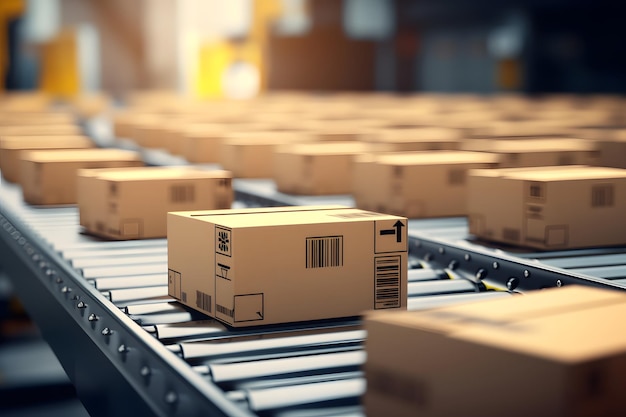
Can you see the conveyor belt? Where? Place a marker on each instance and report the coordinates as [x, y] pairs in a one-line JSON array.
[[129, 348]]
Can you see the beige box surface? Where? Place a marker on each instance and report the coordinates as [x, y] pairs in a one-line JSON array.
[[251, 154], [278, 265], [49, 177], [132, 203], [316, 168], [549, 207], [414, 139], [40, 130], [11, 148], [416, 184], [537, 152], [548, 353]]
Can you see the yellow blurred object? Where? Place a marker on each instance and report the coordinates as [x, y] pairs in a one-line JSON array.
[[9, 9], [59, 65], [218, 58]]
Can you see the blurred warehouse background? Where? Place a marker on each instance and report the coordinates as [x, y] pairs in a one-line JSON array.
[[210, 48]]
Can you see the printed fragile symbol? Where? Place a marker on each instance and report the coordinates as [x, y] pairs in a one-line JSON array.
[[223, 241]]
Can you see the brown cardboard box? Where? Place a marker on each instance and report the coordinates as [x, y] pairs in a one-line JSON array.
[[416, 184], [613, 151], [316, 168], [537, 152], [500, 129], [11, 148], [49, 177], [132, 203], [40, 130], [40, 119], [251, 154], [549, 207], [201, 142], [414, 139], [277, 265], [552, 353]]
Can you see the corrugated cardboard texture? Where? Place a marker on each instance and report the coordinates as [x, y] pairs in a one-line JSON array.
[[264, 266]]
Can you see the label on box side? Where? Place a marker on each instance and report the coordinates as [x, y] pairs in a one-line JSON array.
[[387, 281]]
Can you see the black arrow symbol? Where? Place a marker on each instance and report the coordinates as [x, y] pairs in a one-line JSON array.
[[398, 231]]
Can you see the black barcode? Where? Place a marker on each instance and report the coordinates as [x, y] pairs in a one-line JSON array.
[[224, 310], [323, 252], [182, 193], [387, 282], [203, 301]]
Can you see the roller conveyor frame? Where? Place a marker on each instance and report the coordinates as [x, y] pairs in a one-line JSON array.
[[120, 368]]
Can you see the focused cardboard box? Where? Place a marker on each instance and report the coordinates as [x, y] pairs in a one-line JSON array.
[[550, 353], [537, 152], [316, 168], [251, 154], [132, 203], [11, 148], [49, 177], [278, 265], [549, 207], [416, 184], [414, 139]]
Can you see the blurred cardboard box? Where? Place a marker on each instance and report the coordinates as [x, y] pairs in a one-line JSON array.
[[132, 203], [613, 151], [279, 265], [251, 154], [414, 139], [555, 350], [40, 119], [40, 130], [201, 143], [49, 177], [316, 168], [416, 184], [11, 148], [549, 207], [537, 152]]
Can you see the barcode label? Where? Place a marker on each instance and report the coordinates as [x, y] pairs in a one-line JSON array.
[[182, 193], [225, 310], [387, 286], [324, 252], [203, 301]]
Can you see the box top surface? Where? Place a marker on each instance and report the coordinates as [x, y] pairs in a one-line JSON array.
[[556, 173], [42, 142], [268, 137], [286, 216], [40, 129], [325, 148], [565, 324], [154, 173], [531, 145], [417, 135], [436, 158], [72, 155]]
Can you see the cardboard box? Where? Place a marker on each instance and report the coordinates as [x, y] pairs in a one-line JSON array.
[[548, 353], [278, 265], [201, 142], [537, 152], [49, 177], [11, 148], [613, 151], [524, 129], [416, 184], [132, 203], [40, 130], [251, 154], [549, 207], [316, 168], [414, 139]]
